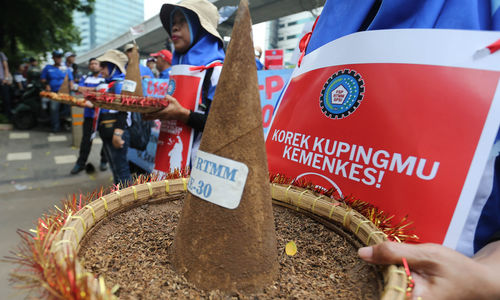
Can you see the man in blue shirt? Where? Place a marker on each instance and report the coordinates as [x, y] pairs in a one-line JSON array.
[[53, 77], [258, 55], [145, 71], [89, 83], [163, 63]]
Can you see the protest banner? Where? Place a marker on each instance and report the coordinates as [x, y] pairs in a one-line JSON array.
[[271, 83], [405, 126], [176, 138], [273, 59]]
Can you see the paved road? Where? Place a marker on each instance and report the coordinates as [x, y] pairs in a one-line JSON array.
[[34, 177]]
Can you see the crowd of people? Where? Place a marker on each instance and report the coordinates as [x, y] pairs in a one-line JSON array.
[[194, 44]]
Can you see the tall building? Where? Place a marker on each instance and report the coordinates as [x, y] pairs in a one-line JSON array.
[[109, 19], [286, 32]]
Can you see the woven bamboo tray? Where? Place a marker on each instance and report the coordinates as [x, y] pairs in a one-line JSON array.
[[126, 102], [67, 241], [63, 98]]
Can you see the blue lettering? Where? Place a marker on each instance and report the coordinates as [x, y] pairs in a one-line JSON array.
[[198, 163], [214, 169]]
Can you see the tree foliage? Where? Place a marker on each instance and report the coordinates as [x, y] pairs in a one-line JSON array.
[[37, 26]]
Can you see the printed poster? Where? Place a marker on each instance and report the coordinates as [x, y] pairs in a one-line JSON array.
[[176, 138], [406, 125], [271, 83]]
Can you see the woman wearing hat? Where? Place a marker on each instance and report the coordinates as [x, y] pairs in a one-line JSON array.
[[197, 62], [113, 124]]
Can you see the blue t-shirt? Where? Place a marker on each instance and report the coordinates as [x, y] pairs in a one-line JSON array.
[[165, 74], [90, 81], [259, 64], [145, 71], [55, 76]]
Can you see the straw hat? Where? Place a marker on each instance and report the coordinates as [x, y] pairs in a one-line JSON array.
[[116, 57], [207, 14]]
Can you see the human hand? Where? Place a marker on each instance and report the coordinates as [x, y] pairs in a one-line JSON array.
[[439, 272], [117, 140], [174, 111], [88, 104]]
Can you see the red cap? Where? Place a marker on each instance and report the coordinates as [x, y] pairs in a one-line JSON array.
[[165, 54]]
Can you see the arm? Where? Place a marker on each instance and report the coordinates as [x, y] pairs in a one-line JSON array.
[[70, 79], [174, 111], [120, 125], [442, 273], [6, 69], [43, 79]]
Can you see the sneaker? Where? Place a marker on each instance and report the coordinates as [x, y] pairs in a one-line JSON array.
[[77, 169], [103, 166]]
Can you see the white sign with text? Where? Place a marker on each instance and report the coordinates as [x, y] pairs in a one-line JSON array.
[[217, 179]]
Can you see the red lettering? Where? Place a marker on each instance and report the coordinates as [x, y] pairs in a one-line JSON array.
[[273, 84], [150, 85], [163, 88], [267, 113], [157, 92]]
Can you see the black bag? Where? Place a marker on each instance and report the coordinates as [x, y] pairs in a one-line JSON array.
[[140, 131]]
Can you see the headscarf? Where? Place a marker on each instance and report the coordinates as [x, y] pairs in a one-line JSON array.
[[204, 48], [114, 72], [343, 17]]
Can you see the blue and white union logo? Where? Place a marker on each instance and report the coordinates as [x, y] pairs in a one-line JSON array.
[[171, 87], [342, 94]]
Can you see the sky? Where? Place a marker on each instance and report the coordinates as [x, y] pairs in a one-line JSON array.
[[152, 7]]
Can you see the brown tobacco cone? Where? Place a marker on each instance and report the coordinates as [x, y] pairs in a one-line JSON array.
[[64, 86], [134, 73], [232, 249]]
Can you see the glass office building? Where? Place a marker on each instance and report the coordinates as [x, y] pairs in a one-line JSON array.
[[285, 33], [110, 19]]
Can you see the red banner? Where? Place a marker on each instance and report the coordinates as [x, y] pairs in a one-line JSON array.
[[176, 138], [400, 136], [273, 59]]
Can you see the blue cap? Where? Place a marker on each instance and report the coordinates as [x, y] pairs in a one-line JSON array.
[[57, 53]]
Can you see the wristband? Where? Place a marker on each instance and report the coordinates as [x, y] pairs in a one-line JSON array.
[[117, 134]]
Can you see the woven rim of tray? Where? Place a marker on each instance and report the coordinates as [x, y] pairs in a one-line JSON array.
[[57, 97], [67, 241], [126, 102]]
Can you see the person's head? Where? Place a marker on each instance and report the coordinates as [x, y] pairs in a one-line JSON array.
[[57, 57], [151, 63], [70, 58], [181, 31], [21, 68], [188, 21], [94, 66], [163, 59], [258, 52], [33, 61], [127, 49], [112, 63]]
